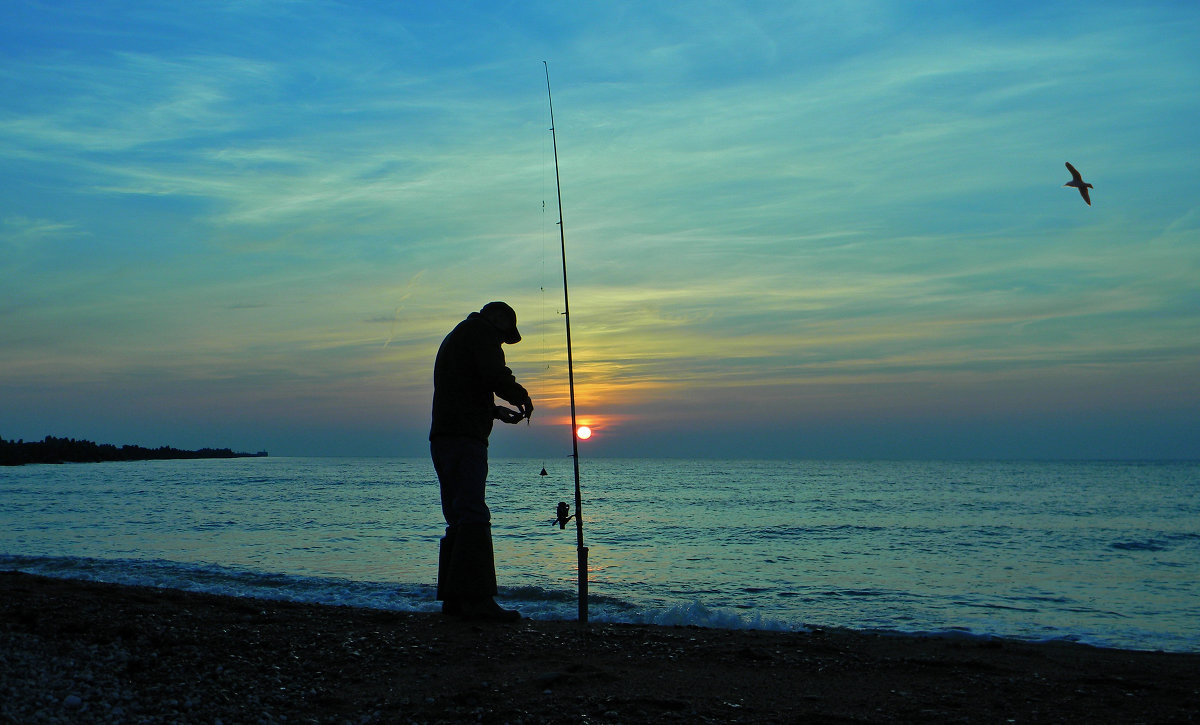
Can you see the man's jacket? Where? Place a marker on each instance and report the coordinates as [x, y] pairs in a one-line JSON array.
[[469, 369]]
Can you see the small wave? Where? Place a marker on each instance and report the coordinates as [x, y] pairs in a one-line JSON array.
[[852, 593], [1044, 598], [214, 579], [697, 615], [1145, 545], [533, 593], [994, 605], [533, 601]]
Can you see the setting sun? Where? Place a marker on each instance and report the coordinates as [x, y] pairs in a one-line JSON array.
[[583, 432]]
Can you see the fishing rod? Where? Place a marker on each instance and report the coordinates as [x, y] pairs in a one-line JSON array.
[[562, 237]]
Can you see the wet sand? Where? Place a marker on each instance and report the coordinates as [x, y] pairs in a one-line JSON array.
[[73, 651]]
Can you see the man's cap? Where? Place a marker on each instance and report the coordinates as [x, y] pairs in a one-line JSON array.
[[502, 310]]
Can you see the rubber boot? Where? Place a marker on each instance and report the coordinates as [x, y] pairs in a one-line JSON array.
[[450, 604], [472, 576]]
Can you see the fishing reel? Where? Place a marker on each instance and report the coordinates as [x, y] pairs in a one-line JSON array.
[[562, 515]]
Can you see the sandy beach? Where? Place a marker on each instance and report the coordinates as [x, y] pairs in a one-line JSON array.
[[73, 651]]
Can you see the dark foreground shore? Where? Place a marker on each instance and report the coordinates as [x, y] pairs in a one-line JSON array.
[[75, 651]]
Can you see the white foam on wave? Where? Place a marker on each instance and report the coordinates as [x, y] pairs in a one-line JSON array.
[[696, 614]]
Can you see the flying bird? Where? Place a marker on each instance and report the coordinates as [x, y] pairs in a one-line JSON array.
[[1078, 182]]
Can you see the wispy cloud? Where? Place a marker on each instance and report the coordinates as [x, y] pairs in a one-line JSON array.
[[855, 206]]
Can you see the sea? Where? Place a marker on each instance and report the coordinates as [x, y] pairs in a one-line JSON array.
[[1103, 553]]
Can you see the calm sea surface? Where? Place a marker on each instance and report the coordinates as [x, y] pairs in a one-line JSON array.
[[1106, 553]]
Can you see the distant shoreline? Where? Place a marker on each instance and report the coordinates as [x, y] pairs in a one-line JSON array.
[[69, 450]]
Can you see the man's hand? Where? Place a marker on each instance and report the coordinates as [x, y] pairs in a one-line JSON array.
[[508, 415], [526, 408]]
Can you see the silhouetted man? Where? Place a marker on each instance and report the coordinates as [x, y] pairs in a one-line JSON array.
[[468, 372]]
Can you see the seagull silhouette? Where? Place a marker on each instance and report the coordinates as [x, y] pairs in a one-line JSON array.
[[1078, 182]]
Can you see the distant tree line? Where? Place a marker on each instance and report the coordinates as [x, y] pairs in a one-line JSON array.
[[69, 450]]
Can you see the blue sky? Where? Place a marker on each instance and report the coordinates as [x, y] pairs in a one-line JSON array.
[[793, 229]]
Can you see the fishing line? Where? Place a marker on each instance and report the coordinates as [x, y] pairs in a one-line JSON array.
[[543, 379]]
